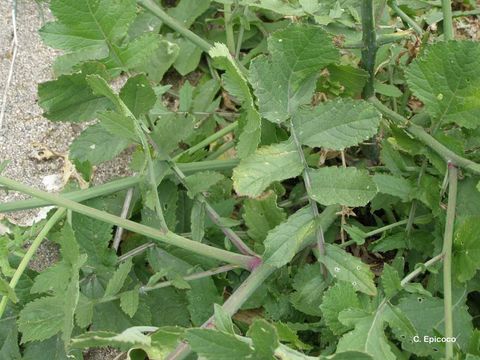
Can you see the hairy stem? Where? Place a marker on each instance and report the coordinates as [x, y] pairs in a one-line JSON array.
[[167, 238], [369, 50], [447, 260], [448, 32], [29, 254], [118, 185], [172, 23]]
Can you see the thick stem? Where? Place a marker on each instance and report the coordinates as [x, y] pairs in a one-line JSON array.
[[381, 40], [232, 304], [447, 260], [118, 185], [29, 254], [252, 283], [369, 50], [167, 238], [156, 10], [448, 32]]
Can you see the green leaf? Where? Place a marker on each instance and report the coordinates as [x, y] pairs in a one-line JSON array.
[[131, 337], [88, 27], [188, 58], [202, 181], [339, 297], [84, 311], [265, 339], [427, 316], [170, 130], [118, 125], [160, 61], [97, 145], [236, 84], [286, 80], [9, 349], [336, 124], [69, 98], [368, 337], [282, 242], [223, 321], [262, 215], [309, 286], [118, 279], [187, 11], [445, 79], [7, 290], [268, 164], [393, 185], [345, 186], [42, 318], [387, 89], [390, 281], [129, 302], [215, 345], [138, 95], [346, 267], [197, 220], [466, 253]]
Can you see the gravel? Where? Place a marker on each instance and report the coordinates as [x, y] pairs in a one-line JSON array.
[[25, 133]]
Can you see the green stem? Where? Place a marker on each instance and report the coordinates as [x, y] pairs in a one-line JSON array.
[[221, 150], [419, 270], [164, 284], [156, 10], [154, 189], [381, 40], [308, 186], [29, 254], [447, 260], [231, 305], [412, 23], [215, 217], [227, 16], [420, 134], [118, 185], [212, 138], [167, 238], [448, 32], [241, 32], [252, 283], [369, 50]]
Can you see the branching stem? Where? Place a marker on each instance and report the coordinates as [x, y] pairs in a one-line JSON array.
[[168, 238], [29, 254]]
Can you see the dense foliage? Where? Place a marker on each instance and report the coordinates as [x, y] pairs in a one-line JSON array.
[[305, 184]]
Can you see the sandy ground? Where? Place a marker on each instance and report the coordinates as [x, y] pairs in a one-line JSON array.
[[25, 133]]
